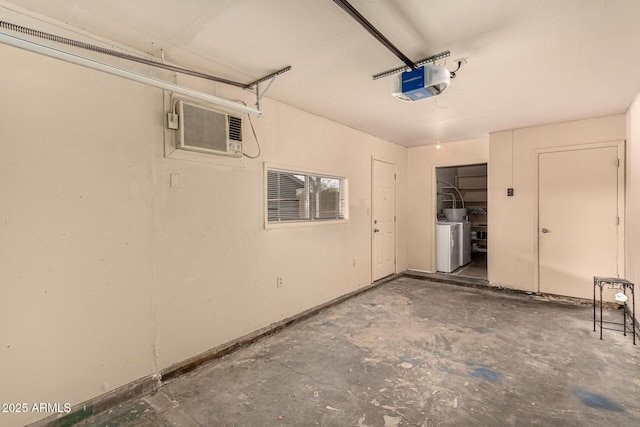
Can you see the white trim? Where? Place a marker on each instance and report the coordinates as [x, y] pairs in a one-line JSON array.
[[434, 200]]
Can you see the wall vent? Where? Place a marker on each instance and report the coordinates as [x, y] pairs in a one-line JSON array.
[[208, 131]]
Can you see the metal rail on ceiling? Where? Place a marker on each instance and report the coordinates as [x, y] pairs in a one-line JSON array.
[[86, 46], [346, 6], [409, 64], [130, 75]]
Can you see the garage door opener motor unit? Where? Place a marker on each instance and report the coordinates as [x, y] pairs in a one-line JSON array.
[[421, 83]]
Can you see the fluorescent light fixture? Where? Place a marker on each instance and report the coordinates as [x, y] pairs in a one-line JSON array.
[[130, 75]]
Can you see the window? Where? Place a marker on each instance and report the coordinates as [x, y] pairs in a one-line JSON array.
[[298, 196]]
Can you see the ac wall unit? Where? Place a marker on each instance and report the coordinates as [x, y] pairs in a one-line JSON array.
[[208, 131]]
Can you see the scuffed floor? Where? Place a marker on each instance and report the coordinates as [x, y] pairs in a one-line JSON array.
[[413, 353]]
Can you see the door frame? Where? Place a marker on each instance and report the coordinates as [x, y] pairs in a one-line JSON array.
[[620, 145], [434, 202], [395, 211]]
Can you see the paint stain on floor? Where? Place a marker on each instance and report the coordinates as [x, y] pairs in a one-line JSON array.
[[595, 400], [484, 373]]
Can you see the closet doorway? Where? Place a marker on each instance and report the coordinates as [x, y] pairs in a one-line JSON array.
[[462, 217]]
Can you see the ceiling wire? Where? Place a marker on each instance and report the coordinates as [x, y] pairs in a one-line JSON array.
[[453, 73]]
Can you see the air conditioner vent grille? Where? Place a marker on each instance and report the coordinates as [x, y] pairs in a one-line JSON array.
[[208, 131], [235, 128]]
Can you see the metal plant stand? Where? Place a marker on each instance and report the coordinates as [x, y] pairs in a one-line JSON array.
[[621, 285]]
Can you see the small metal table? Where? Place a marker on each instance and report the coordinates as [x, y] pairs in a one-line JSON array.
[[621, 285]]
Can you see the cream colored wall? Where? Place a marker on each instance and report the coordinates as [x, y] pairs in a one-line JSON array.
[[229, 260], [633, 196], [421, 188], [109, 275], [512, 220], [76, 231]]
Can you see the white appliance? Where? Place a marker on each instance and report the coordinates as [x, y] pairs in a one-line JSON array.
[[208, 131], [457, 215], [448, 246], [465, 242]]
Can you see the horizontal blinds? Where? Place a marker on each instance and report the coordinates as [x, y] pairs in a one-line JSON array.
[[296, 196], [287, 200]]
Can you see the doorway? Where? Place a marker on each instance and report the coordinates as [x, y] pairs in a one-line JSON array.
[[461, 212], [578, 219], [383, 219]]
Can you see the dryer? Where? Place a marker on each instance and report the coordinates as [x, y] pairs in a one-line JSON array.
[[465, 243], [448, 246]]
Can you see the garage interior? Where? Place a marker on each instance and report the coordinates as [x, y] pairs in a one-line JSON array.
[[228, 212]]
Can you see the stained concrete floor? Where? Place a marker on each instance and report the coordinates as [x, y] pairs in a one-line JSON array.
[[413, 353]]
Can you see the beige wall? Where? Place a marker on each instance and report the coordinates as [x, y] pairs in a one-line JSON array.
[[76, 231], [513, 163], [109, 275], [633, 196], [421, 190]]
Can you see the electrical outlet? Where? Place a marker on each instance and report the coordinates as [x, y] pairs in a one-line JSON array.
[[174, 180], [279, 282], [172, 121]]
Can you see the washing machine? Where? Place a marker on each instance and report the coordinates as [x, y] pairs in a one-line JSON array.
[[448, 246]]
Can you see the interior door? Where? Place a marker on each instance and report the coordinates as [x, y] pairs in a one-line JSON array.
[[577, 219], [384, 219]]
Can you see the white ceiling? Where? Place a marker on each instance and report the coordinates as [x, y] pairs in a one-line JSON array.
[[529, 61]]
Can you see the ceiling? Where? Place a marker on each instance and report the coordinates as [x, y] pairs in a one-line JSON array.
[[529, 62]]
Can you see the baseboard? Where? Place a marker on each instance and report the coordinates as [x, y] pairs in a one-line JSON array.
[[101, 403], [147, 385], [190, 364]]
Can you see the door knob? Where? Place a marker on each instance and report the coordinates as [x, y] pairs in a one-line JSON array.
[[545, 230], [376, 230]]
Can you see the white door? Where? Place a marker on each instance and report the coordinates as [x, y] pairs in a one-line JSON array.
[[577, 219], [384, 219]]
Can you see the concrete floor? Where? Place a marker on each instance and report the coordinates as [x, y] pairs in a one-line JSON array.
[[477, 267], [413, 353]]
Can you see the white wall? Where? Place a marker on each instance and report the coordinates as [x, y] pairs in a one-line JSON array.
[[512, 220], [421, 190], [633, 196], [109, 275]]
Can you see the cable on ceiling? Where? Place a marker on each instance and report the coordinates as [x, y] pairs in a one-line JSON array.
[[453, 73]]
